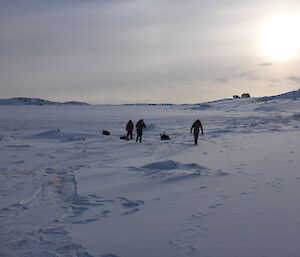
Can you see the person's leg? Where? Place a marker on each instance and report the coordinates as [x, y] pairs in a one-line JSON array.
[[138, 137], [141, 137], [196, 138], [131, 135]]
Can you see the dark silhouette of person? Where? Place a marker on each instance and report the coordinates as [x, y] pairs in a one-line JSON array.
[[129, 128], [139, 130], [196, 127]]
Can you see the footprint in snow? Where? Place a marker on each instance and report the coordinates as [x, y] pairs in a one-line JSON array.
[[128, 204], [214, 206], [199, 215], [276, 183], [129, 212], [105, 213], [85, 221], [82, 208], [108, 255], [19, 162]]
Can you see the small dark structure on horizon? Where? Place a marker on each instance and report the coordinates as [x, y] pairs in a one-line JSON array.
[[236, 96], [245, 95]]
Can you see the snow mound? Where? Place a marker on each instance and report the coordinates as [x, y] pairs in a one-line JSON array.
[[172, 171], [5, 138], [203, 106], [58, 135], [171, 165]]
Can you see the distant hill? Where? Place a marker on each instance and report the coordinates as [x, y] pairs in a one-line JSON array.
[[289, 95], [148, 104], [35, 101], [204, 105]]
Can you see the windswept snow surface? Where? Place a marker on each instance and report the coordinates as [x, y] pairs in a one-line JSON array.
[[68, 190]]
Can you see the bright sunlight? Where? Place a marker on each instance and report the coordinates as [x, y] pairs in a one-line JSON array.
[[280, 37]]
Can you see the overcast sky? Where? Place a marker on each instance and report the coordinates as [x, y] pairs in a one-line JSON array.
[[128, 51]]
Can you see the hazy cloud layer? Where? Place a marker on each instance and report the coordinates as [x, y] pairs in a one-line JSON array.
[[265, 64], [113, 51]]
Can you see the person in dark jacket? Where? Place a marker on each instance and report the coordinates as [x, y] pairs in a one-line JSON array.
[[129, 128], [196, 127], [139, 130]]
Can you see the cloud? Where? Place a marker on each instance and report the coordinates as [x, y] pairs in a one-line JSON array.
[[273, 80], [248, 75], [294, 78], [222, 80], [265, 64]]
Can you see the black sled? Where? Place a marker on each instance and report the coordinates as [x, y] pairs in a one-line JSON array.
[[106, 133], [164, 136]]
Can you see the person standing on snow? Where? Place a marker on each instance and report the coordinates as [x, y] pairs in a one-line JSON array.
[[139, 130], [129, 128], [196, 127]]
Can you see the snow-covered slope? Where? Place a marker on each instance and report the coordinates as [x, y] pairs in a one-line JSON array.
[[279, 103], [68, 190], [289, 95]]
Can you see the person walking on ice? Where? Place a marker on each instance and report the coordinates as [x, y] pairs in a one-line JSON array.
[[196, 127], [129, 128], [139, 130]]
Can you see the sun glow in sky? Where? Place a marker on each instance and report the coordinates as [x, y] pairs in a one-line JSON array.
[[280, 37]]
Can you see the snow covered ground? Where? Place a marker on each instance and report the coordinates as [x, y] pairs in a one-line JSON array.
[[68, 190]]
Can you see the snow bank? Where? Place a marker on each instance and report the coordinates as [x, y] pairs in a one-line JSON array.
[[174, 171], [58, 135], [171, 165]]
